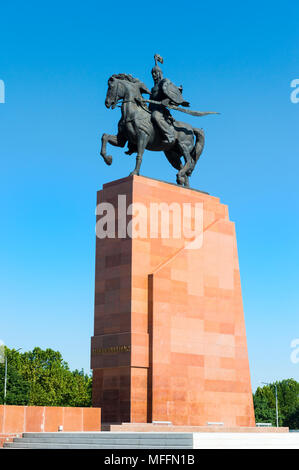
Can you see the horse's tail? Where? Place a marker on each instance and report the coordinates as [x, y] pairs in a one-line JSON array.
[[199, 144]]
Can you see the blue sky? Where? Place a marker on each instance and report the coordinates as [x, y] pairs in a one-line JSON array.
[[235, 58]]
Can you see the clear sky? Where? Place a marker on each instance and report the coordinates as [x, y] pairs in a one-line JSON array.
[[235, 57]]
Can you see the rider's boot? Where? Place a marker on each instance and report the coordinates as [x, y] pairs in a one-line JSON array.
[[168, 132], [168, 135], [168, 139]]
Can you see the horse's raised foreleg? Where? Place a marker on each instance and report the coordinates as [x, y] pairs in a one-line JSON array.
[[115, 140], [141, 145]]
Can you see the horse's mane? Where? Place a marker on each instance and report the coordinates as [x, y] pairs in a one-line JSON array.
[[125, 76]]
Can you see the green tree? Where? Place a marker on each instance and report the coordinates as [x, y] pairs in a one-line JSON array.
[[42, 378], [288, 403], [263, 412], [293, 418], [17, 390]]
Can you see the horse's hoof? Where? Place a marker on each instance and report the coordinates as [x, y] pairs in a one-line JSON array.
[[108, 160], [186, 183], [180, 179]]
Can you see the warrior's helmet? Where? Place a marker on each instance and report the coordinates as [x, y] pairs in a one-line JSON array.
[[156, 71]]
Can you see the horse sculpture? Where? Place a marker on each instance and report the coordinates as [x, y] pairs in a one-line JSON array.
[[136, 128]]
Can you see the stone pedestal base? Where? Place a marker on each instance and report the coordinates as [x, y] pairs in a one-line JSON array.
[[169, 338]]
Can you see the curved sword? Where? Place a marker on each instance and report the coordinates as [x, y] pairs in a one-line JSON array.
[[182, 110]]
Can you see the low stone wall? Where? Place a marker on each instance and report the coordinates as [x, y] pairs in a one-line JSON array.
[[150, 427], [19, 419]]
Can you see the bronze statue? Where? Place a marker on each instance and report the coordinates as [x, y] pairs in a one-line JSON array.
[[152, 127]]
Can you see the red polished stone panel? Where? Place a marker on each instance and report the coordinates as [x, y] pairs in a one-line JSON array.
[[53, 418], [91, 419], [34, 418], [71, 418], [13, 418], [111, 387]]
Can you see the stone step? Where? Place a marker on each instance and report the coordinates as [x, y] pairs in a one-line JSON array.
[[34, 445], [113, 441], [108, 435], [102, 440]]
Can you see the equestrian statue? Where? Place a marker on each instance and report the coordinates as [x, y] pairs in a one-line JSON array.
[[146, 124]]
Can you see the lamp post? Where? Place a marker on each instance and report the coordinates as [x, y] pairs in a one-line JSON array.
[[276, 400], [5, 377]]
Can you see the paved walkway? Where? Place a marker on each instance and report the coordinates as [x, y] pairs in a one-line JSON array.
[[246, 440]]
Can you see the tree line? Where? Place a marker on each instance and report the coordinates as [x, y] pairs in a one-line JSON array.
[[42, 378], [288, 403]]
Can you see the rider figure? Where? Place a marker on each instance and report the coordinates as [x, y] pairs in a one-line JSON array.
[[160, 114]]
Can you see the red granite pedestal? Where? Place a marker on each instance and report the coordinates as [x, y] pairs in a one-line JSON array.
[[169, 338]]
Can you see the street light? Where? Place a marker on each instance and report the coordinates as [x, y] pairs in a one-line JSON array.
[[276, 400], [5, 377]]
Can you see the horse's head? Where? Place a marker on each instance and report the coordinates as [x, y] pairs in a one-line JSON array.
[[113, 93], [123, 86]]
